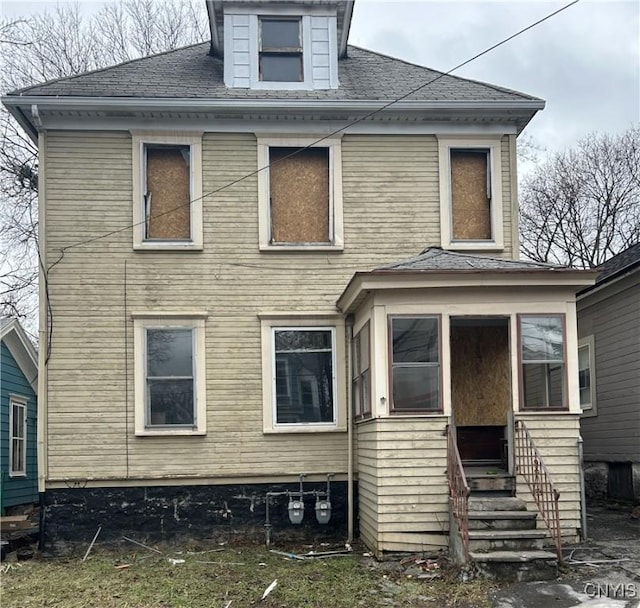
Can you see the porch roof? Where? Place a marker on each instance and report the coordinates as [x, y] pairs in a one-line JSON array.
[[435, 267]]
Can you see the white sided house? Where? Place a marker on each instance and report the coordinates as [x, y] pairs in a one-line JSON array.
[[275, 302]]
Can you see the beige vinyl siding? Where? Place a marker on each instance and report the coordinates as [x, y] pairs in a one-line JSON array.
[[402, 483], [508, 224], [391, 211], [556, 437]]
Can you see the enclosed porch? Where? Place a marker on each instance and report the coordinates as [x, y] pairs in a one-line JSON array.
[[453, 358]]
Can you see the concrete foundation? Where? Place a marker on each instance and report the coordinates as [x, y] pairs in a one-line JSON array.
[[167, 513]]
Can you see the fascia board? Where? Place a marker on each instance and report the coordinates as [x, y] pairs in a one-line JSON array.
[[184, 104], [386, 280]]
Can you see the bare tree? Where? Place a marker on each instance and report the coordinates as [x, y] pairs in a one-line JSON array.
[[53, 45], [582, 206]]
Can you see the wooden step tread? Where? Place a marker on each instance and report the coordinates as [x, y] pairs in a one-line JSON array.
[[512, 556], [502, 515], [505, 534]]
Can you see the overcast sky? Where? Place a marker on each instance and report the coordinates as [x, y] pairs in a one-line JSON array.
[[585, 62]]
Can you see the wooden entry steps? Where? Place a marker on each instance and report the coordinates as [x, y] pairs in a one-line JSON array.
[[504, 542]]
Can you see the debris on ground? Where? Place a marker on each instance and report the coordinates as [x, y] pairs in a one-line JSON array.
[[269, 589]]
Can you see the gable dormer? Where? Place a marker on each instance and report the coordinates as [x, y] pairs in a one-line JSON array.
[[292, 45]]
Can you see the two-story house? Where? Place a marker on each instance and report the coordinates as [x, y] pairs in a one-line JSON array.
[[260, 265]]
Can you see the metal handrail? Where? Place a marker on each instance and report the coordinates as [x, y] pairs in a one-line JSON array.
[[530, 464], [458, 490]]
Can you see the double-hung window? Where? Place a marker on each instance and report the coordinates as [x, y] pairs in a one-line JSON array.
[[415, 364], [542, 361], [586, 374], [300, 194], [18, 436], [167, 191], [170, 375], [361, 376], [280, 54], [303, 366], [470, 194]]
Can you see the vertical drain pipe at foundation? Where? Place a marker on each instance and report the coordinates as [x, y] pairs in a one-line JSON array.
[[349, 328], [583, 500]]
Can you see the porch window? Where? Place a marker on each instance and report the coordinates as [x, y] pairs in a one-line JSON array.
[[361, 381], [415, 364], [542, 361]]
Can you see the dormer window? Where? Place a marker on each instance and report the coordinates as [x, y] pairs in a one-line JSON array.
[[280, 50], [284, 48]]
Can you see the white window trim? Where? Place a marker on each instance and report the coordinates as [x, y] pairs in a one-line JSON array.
[[194, 141], [21, 402], [589, 342], [270, 322], [493, 144], [305, 13], [336, 229], [196, 322]]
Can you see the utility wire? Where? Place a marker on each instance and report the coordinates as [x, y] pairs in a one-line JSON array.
[[383, 107], [325, 137]]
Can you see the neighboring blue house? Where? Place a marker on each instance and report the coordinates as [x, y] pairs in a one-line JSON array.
[[18, 417]]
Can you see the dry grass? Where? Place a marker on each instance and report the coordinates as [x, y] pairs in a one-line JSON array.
[[233, 577]]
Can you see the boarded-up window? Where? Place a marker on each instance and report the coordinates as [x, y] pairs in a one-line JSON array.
[[167, 193], [470, 194], [299, 195]]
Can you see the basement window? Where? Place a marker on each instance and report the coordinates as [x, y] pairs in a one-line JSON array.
[[471, 195], [167, 192], [280, 56], [170, 373], [415, 364], [300, 195], [542, 362]]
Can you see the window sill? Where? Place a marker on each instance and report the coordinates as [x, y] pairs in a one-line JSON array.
[[473, 246], [296, 429], [178, 246], [296, 247], [550, 410], [14, 475], [170, 433], [416, 413]]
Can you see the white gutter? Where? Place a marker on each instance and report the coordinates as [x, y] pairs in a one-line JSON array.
[[149, 103]]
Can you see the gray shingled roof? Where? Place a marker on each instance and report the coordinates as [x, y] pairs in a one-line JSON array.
[[622, 261], [436, 259], [191, 72]]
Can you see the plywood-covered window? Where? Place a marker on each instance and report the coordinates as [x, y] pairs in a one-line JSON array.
[[167, 191], [361, 375], [542, 361], [470, 182], [415, 363], [470, 194], [167, 195], [280, 57], [300, 195]]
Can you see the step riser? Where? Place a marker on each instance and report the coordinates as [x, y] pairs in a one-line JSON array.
[[537, 570], [512, 544], [502, 524], [493, 484], [496, 504]]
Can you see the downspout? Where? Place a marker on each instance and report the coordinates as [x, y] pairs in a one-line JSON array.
[[43, 337], [350, 505]]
